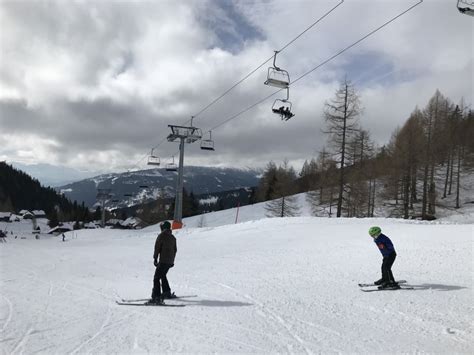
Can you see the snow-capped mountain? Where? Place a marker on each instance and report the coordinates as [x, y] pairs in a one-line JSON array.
[[139, 186]]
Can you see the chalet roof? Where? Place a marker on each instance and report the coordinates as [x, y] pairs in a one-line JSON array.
[[66, 227]]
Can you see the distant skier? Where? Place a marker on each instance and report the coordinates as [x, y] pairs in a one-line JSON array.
[[165, 249], [3, 237], [387, 249], [64, 237]]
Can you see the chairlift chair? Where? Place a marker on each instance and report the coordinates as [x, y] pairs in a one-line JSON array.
[[277, 77], [282, 107], [171, 166], [207, 144], [466, 7], [153, 159]]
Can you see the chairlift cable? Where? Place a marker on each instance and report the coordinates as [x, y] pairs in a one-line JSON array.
[[246, 77], [319, 65], [302, 76], [357, 42], [266, 61]]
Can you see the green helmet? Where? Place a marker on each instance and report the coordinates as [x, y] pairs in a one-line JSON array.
[[374, 231]]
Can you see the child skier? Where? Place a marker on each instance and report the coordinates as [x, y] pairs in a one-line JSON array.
[[387, 249]]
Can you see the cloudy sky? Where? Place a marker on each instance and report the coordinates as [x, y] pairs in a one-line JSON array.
[[93, 85]]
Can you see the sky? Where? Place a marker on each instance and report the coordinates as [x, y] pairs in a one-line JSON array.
[[93, 85]]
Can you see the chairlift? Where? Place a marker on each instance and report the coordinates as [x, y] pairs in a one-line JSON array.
[[282, 107], [277, 77], [143, 186], [466, 7], [207, 144], [153, 159], [171, 166]]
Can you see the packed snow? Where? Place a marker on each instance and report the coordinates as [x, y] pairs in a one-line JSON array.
[[263, 285]]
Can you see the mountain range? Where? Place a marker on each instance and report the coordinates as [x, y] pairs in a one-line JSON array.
[[131, 188]]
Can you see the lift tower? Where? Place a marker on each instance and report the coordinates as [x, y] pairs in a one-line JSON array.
[[185, 135], [103, 195]]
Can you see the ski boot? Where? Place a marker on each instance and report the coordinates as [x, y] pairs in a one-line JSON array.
[[169, 295], [394, 285], [378, 282], [154, 301]]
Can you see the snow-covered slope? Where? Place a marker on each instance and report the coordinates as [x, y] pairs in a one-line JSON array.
[[257, 211], [286, 285]]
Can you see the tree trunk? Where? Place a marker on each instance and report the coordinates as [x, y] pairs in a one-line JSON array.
[[432, 194], [413, 198], [458, 177], [343, 153], [406, 195], [369, 205], [452, 172], [424, 203], [447, 174]]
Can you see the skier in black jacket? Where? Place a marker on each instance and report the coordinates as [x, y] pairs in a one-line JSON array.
[[165, 249]]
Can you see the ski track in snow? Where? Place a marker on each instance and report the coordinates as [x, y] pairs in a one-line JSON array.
[[101, 330], [273, 315], [271, 286], [9, 315]]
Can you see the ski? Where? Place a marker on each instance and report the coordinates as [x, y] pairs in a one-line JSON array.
[[385, 289], [372, 284], [147, 299], [149, 304]]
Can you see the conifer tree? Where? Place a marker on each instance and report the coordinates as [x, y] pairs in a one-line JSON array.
[[341, 115]]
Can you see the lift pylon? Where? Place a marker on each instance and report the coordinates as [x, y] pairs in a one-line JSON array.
[[185, 135]]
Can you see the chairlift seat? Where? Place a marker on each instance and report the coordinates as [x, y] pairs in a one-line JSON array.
[[171, 167], [466, 7], [278, 78], [207, 144], [283, 109], [153, 160]]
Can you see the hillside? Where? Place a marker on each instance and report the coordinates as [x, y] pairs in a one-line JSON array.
[[19, 191], [445, 210], [146, 185]]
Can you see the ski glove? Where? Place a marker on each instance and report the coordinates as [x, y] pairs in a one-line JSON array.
[[155, 262]]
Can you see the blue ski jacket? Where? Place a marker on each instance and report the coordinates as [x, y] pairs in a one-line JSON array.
[[385, 244]]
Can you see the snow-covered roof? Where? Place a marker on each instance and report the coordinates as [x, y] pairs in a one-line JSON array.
[[131, 222], [39, 213], [66, 227], [5, 214], [23, 212]]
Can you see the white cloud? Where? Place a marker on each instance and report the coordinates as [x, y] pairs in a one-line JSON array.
[[95, 84]]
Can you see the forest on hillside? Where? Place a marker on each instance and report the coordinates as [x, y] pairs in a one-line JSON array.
[[20, 191], [413, 173]]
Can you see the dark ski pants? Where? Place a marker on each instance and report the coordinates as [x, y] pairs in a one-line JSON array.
[[387, 263], [160, 275]]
